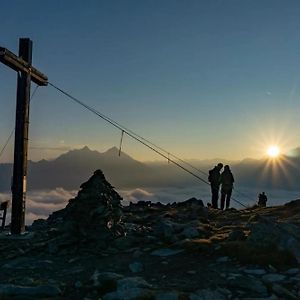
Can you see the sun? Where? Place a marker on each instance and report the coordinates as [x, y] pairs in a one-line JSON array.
[[273, 151]]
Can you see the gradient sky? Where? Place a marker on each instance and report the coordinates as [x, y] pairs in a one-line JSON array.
[[203, 79]]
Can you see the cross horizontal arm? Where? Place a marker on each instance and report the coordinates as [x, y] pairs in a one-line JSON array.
[[18, 64]]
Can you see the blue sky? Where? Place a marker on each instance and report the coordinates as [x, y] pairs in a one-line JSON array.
[[203, 79]]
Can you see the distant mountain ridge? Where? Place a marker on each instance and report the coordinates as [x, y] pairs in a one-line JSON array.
[[70, 169]]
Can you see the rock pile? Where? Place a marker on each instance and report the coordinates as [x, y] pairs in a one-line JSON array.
[[94, 214]]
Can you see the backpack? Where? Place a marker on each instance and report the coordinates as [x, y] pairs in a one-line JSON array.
[[210, 175]]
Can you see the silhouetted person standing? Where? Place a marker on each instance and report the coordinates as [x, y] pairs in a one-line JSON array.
[[214, 179], [227, 181], [262, 200]]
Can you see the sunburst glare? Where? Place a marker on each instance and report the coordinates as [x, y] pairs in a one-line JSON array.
[[273, 151], [272, 145]]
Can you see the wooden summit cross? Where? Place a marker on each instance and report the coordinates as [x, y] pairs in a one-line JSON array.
[[26, 73]]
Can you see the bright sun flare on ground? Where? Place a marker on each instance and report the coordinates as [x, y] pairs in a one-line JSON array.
[[273, 151]]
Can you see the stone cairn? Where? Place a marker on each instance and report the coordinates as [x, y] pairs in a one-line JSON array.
[[95, 213]]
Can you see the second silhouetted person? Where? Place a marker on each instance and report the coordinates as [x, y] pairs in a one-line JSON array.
[[226, 181]]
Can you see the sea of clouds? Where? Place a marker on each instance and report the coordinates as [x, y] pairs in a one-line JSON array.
[[40, 204]]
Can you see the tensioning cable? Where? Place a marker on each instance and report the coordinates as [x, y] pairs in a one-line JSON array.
[[146, 143]]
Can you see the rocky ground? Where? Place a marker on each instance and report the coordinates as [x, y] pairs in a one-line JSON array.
[[96, 249]]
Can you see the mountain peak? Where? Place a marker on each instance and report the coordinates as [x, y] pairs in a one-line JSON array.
[[82, 154], [85, 148], [112, 151]]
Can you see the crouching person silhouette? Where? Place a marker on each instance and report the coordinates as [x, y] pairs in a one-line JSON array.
[[262, 200]]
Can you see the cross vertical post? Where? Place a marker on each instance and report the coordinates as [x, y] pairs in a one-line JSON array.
[[21, 141], [26, 73]]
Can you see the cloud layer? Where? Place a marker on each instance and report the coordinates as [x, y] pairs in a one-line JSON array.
[[41, 203]]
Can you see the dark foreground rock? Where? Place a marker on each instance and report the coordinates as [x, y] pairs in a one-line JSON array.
[[96, 249], [11, 290]]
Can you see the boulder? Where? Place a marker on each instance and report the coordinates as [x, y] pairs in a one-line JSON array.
[[136, 267], [273, 277], [207, 294], [131, 288], [167, 296], [272, 235], [236, 234], [190, 232], [164, 252], [283, 292], [130, 294], [250, 284], [192, 202]]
